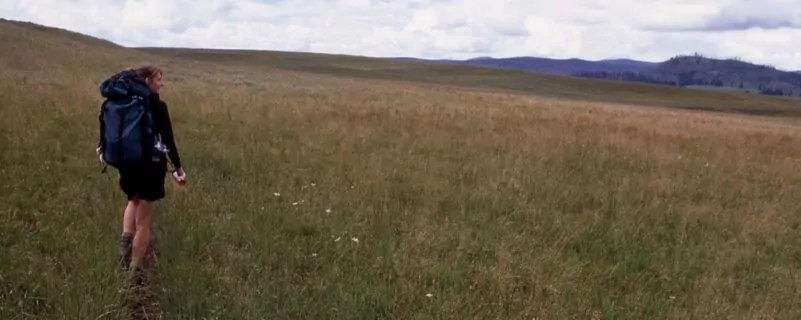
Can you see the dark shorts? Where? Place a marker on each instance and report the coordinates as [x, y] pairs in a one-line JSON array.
[[145, 182]]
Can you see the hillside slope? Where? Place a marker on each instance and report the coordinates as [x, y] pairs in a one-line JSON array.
[[29, 47], [486, 78]]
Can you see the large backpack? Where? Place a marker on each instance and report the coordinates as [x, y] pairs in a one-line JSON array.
[[126, 120]]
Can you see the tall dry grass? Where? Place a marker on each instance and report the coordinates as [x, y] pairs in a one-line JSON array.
[[310, 197]]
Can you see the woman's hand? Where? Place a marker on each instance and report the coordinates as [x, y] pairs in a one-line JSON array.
[[99, 152]]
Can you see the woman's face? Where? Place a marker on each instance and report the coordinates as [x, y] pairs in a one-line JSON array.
[[156, 83]]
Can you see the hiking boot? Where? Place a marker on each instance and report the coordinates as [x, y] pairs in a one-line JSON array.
[[150, 254], [124, 250], [139, 277], [125, 247]]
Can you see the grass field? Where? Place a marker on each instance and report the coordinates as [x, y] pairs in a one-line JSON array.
[[320, 192]]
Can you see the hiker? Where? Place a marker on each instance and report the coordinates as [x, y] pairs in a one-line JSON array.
[[143, 181]]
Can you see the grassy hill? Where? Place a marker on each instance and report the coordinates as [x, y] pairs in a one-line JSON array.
[[553, 66], [335, 187], [487, 78]]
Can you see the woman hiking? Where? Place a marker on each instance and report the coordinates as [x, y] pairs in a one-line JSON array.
[[144, 184]]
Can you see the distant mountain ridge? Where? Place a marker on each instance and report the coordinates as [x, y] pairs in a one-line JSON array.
[[553, 66], [690, 71]]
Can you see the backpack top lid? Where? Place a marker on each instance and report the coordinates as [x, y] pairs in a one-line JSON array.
[[124, 84]]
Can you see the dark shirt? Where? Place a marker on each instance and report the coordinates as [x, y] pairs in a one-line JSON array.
[[162, 124]]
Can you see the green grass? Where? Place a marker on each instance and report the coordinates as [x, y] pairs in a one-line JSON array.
[[500, 205]]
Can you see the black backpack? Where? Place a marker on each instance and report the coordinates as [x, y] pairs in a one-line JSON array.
[[126, 120]]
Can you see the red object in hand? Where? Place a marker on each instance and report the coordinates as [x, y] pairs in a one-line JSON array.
[[179, 177]]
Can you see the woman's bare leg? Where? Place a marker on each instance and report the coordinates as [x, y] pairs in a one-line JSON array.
[[128, 231], [129, 217], [144, 217]]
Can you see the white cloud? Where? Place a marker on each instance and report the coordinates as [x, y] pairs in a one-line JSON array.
[[763, 31]]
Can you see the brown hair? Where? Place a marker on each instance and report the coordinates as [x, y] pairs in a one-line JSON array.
[[148, 72]]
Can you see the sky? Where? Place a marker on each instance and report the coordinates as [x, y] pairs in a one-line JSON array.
[[761, 31]]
